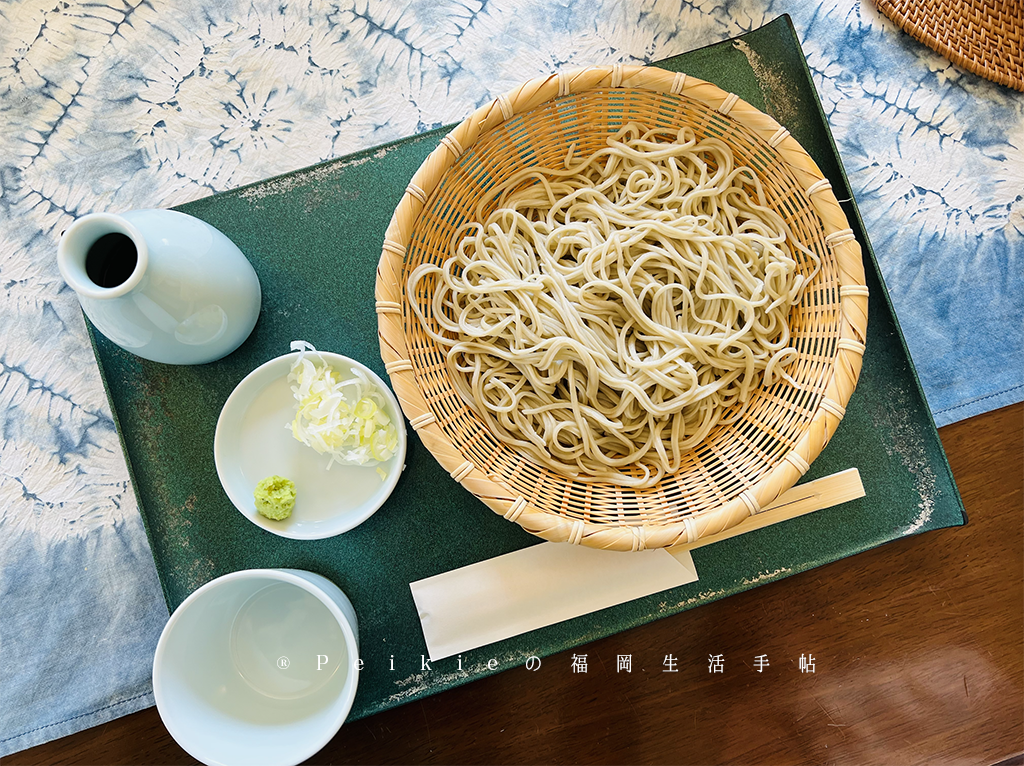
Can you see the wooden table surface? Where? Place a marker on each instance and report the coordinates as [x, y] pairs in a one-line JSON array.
[[918, 649]]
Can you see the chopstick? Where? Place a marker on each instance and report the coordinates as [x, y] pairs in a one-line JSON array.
[[800, 500]]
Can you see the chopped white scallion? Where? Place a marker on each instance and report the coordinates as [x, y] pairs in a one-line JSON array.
[[344, 418]]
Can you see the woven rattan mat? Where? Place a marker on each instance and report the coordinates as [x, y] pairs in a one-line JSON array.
[[314, 238], [985, 37]]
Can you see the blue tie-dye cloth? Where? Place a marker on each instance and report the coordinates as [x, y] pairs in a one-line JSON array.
[[119, 104]]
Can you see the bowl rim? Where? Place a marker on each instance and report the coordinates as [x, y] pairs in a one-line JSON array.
[[348, 692], [221, 451], [837, 235]]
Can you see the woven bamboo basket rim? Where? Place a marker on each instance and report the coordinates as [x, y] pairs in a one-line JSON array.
[[985, 37], [600, 525]]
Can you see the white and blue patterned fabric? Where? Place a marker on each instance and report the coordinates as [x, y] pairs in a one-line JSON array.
[[121, 104]]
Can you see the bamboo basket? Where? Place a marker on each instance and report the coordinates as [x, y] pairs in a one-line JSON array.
[[740, 468], [985, 37]]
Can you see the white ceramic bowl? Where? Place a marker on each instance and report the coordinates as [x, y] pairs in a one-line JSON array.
[[252, 442], [258, 668]]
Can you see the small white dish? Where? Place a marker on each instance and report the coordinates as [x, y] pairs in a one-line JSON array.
[[254, 440], [258, 668]]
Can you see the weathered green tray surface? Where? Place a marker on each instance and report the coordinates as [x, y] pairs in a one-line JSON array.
[[314, 237]]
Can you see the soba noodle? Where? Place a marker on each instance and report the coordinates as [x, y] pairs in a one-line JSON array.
[[608, 314]]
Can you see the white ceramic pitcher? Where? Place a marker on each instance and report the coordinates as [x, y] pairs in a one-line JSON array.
[[161, 284]]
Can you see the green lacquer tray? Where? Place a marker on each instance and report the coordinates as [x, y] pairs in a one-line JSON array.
[[314, 237]]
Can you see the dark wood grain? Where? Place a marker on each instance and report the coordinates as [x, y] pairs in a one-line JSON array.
[[917, 647]]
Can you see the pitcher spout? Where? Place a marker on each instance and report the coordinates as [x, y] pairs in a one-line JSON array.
[[102, 256]]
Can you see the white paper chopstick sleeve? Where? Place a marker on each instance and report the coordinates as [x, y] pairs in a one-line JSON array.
[[534, 587]]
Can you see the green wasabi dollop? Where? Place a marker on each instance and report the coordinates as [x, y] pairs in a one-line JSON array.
[[275, 497]]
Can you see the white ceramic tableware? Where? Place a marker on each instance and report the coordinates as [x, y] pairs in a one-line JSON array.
[[258, 668], [254, 440], [161, 284]]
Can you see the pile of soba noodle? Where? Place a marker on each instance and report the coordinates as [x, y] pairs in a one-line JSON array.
[[611, 312]]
